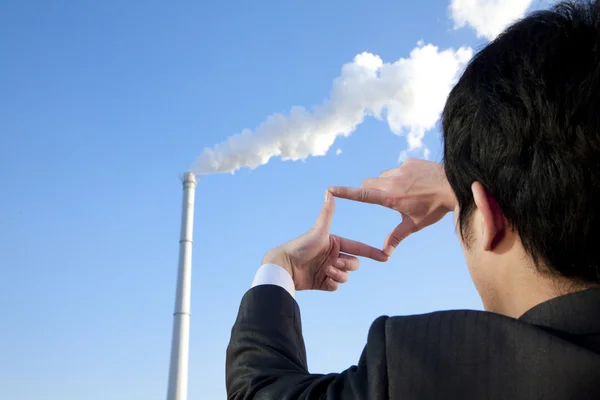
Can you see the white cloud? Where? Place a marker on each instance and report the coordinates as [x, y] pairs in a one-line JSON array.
[[488, 17], [338, 152], [409, 93]]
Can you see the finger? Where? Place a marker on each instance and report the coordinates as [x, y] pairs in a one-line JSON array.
[[337, 274], [388, 173], [347, 262], [326, 215], [364, 195], [373, 183], [361, 249], [331, 285], [401, 232]]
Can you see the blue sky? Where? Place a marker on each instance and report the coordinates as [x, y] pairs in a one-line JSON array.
[[104, 104]]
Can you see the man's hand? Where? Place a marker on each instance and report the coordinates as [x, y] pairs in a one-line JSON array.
[[318, 260], [417, 189]]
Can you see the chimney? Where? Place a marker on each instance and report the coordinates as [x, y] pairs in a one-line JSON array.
[[178, 370]]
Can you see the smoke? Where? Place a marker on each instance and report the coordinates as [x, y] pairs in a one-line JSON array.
[[488, 17], [409, 94]]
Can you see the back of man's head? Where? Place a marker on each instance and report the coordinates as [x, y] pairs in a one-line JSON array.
[[524, 121]]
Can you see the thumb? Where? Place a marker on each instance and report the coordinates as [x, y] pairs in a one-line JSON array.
[[323, 223], [401, 232]]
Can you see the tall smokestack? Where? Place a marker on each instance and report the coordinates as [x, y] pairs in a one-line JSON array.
[[178, 370]]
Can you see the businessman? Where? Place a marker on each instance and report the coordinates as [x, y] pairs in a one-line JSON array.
[[521, 174]]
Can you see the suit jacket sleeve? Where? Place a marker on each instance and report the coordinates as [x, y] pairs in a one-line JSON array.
[[266, 356]]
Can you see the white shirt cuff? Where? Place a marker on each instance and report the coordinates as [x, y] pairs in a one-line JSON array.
[[271, 274]]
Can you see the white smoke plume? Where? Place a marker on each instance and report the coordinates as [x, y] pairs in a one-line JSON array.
[[409, 93], [488, 17]]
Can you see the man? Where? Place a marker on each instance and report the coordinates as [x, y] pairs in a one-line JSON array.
[[522, 175]]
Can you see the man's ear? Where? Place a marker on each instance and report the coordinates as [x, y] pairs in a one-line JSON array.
[[491, 214]]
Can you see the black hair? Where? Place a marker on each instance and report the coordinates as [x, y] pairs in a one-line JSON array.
[[524, 121]]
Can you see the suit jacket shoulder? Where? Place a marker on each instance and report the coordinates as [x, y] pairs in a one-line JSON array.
[[482, 355]]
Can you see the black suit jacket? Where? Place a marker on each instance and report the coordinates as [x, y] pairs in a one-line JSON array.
[[551, 352]]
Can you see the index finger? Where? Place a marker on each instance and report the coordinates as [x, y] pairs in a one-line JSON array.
[[364, 195], [360, 249]]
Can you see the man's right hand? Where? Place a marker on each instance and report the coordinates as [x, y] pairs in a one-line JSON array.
[[417, 189]]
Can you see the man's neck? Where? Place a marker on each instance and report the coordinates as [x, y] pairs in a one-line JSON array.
[[526, 289]]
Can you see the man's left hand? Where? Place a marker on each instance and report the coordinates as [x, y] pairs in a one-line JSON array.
[[319, 260]]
